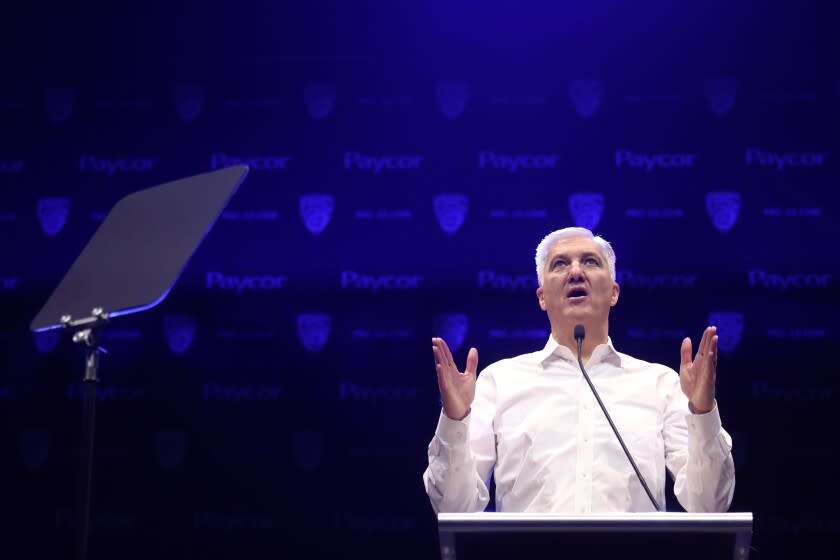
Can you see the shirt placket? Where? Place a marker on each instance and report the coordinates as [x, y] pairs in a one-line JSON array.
[[585, 440]]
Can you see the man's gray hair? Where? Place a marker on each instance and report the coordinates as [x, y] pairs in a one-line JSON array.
[[566, 233]]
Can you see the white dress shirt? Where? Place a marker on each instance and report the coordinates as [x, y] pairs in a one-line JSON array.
[[536, 427]]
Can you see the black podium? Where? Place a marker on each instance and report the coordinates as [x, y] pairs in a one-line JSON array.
[[130, 265], [652, 536]]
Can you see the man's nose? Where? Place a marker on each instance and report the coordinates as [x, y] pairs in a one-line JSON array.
[[575, 270]]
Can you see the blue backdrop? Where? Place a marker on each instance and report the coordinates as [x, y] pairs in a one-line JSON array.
[[284, 394]]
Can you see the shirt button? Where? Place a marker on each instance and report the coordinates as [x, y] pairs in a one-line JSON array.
[[586, 440], [586, 407], [583, 475], [582, 509]]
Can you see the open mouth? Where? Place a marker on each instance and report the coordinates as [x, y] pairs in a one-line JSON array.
[[576, 294]]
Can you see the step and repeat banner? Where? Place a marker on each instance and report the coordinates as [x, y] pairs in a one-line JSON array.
[[281, 399]]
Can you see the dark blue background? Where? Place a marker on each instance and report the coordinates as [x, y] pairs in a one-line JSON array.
[[247, 444]]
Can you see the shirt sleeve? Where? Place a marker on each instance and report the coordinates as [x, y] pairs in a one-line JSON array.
[[698, 453], [462, 455]]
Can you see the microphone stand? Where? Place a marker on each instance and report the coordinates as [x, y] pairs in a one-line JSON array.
[[579, 334]]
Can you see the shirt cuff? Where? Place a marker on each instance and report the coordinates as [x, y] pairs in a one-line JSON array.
[[452, 432], [705, 427]]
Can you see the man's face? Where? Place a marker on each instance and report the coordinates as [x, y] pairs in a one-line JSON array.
[[577, 284]]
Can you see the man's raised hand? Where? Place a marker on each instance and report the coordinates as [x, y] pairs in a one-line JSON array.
[[457, 389]]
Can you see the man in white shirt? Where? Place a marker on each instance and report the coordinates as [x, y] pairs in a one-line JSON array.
[[533, 423]]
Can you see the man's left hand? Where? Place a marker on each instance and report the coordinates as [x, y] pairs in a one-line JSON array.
[[697, 378]]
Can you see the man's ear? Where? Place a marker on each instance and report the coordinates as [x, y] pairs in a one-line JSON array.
[[541, 298], [616, 291]]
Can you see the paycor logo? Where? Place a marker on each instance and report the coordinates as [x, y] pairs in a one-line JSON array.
[[651, 162], [782, 160], [514, 162], [655, 281], [110, 167], [360, 281], [219, 160], [374, 393], [500, 281], [239, 284], [240, 393], [364, 162], [783, 282]]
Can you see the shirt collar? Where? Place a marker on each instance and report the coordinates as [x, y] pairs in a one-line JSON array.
[[602, 353]]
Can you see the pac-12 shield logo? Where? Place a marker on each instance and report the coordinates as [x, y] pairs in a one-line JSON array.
[[189, 100], [179, 331], [723, 208], [452, 96], [451, 210], [46, 341], [52, 214], [320, 99], [452, 327], [586, 209], [586, 96], [307, 449], [730, 326], [170, 448], [59, 103], [720, 94], [316, 211], [313, 330], [34, 448]]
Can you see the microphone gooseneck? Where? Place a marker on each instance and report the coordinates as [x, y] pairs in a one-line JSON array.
[[580, 333]]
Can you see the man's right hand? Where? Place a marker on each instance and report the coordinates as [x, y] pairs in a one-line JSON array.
[[457, 390]]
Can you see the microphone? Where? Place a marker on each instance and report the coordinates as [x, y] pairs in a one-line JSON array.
[[580, 333]]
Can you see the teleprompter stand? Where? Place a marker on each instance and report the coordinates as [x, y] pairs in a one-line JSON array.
[[130, 265], [653, 536]]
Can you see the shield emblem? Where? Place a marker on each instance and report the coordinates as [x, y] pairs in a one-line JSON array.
[[586, 209], [452, 96], [450, 210], [720, 94], [586, 96], [189, 100], [170, 448], [313, 330], [53, 212], [34, 448], [723, 209], [59, 103], [307, 449], [46, 341], [452, 327], [179, 331], [320, 99], [730, 326], [316, 211]]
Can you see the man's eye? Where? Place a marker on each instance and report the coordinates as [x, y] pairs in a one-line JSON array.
[[591, 260], [558, 264]]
